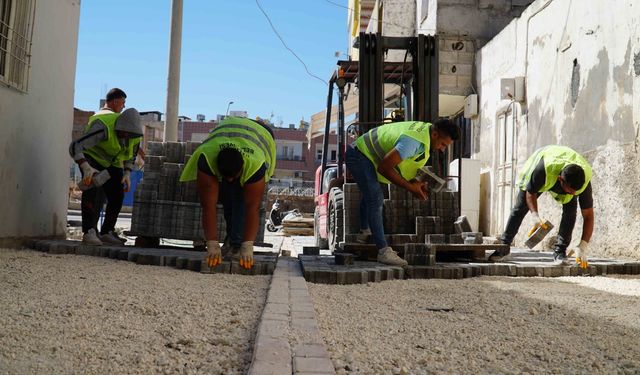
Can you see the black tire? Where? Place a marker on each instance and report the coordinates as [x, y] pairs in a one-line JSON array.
[[334, 223], [271, 228], [320, 242]]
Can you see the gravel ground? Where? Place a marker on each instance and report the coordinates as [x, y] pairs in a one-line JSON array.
[[75, 314], [498, 325]]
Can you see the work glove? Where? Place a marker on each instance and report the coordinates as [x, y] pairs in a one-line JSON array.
[[582, 253], [246, 254], [539, 223], [126, 181], [87, 173], [214, 254]]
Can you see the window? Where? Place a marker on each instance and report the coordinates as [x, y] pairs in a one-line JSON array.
[[16, 31], [333, 155], [319, 154]]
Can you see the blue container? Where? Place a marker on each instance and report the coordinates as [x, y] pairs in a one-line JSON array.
[[136, 176]]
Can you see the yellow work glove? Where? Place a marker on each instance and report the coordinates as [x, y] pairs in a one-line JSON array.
[[126, 181], [246, 254], [214, 254], [582, 253], [87, 173], [539, 223]]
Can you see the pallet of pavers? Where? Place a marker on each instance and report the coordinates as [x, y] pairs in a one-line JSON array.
[[265, 262], [164, 207]]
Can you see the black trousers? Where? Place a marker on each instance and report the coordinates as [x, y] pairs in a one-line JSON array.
[[93, 200], [520, 210]]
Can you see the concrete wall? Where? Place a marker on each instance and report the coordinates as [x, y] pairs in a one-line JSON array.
[[581, 63], [35, 129]]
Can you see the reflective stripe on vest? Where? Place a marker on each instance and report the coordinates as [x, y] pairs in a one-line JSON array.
[[253, 141], [376, 143]]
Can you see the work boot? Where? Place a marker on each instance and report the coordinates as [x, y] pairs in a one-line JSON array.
[[499, 255], [363, 236], [112, 239], [390, 257], [560, 257], [91, 238]]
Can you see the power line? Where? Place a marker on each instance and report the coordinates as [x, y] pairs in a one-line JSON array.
[[286, 46], [372, 18]]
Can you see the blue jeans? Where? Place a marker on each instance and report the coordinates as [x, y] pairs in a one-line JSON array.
[[232, 199], [364, 172]]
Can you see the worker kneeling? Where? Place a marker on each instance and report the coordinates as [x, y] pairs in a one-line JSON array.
[[392, 153], [566, 175], [233, 166]]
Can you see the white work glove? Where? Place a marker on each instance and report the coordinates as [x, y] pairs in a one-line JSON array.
[[126, 180], [214, 254], [539, 222], [87, 173], [246, 254], [582, 253]]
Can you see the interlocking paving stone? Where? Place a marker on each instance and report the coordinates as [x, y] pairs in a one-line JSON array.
[[183, 259], [523, 263]]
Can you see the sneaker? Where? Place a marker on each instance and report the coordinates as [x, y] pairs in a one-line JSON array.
[[112, 238], [560, 258], [390, 257], [363, 236], [91, 238], [499, 255]]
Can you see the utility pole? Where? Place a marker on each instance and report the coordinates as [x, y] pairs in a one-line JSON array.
[[173, 79]]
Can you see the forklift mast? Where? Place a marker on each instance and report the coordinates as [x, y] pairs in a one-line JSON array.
[[370, 73]]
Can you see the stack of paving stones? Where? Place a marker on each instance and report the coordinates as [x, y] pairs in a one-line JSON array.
[[163, 206], [407, 219], [265, 262]]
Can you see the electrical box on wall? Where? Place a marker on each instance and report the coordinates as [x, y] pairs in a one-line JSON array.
[[471, 106], [512, 89]]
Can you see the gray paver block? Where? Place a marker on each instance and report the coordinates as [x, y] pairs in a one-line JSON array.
[[87, 250], [305, 364], [310, 351], [273, 329], [310, 250]]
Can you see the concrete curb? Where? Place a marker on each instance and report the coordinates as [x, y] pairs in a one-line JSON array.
[[288, 340]]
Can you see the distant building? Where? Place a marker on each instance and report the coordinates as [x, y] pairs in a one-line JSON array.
[[194, 131]]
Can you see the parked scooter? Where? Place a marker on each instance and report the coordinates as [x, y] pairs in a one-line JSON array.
[[275, 219]]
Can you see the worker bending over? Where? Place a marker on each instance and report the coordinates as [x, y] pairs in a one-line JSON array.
[[566, 175], [110, 141], [233, 165], [392, 153]]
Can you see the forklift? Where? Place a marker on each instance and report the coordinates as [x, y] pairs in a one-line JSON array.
[[418, 100]]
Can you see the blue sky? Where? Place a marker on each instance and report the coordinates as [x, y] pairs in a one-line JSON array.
[[229, 52]]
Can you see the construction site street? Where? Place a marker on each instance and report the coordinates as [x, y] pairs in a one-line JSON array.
[[70, 313]]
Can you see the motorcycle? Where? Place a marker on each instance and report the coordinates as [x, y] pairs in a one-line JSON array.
[[275, 219]]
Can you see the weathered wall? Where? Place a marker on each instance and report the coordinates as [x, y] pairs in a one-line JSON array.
[[35, 129], [581, 63]]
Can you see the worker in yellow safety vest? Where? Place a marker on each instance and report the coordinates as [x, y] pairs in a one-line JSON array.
[[232, 165], [566, 175], [109, 144], [392, 153]]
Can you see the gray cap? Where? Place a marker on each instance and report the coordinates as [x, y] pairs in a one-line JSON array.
[[129, 121]]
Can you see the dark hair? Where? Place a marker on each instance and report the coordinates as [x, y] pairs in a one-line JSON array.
[[573, 175], [230, 162], [448, 128], [115, 93]]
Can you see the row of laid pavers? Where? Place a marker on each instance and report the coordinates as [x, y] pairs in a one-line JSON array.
[[324, 270], [288, 339], [265, 262]]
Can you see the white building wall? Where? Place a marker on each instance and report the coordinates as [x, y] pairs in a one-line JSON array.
[[581, 63], [35, 129]]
